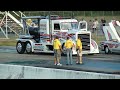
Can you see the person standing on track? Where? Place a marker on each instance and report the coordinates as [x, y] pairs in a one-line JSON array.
[[57, 51], [79, 51], [69, 45]]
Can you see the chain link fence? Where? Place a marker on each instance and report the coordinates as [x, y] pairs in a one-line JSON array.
[[75, 13], [87, 15]]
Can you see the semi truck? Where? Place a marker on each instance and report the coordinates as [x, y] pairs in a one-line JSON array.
[[40, 35]]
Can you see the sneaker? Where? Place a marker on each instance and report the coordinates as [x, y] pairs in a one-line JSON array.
[[59, 64], [77, 63], [81, 63], [55, 64]]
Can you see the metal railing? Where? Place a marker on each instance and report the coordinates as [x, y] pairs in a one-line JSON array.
[[14, 17]]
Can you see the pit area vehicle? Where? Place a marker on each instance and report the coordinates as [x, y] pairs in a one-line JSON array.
[[40, 37], [112, 35]]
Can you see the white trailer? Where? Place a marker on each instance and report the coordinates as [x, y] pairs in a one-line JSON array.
[[40, 39]]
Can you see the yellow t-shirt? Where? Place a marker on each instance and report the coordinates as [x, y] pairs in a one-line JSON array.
[[79, 44], [68, 44], [29, 21], [56, 44]]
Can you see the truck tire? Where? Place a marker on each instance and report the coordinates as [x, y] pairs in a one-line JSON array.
[[64, 51], [107, 51], [20, 47], [28, 48]]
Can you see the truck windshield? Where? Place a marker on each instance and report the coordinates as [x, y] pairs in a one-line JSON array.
[[69, 25]]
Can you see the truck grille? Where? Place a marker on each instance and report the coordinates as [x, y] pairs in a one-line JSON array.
[[85, 38]]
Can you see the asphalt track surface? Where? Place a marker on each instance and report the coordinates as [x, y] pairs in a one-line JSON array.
[[100, 63]]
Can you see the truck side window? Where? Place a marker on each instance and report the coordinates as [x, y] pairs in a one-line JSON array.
[[56, 26], [83, 25]]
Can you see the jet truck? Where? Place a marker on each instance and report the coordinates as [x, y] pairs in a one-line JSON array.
[[39, 35]]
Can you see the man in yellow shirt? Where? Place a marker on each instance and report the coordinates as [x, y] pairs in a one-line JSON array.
[[69, 45], [29, 22], [57, 51], [79, 51]]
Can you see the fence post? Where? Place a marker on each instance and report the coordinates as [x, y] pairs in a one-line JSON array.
[[63, 13], [103, 13], [84, 13], [72, 14], [112, 13], [91, 13]]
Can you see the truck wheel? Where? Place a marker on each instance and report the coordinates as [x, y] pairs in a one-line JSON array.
[[107, 51], [28, 48], [64, 51], [20, 47]]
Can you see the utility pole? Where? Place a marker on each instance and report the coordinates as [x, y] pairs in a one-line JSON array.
[[50, 32], [39, 29]]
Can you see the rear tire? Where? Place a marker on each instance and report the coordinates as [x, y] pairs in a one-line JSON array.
[[107, 50], [63, 50], [20, 47], [28, 48]]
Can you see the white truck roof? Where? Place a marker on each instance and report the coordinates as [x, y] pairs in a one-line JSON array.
[[61, 20]]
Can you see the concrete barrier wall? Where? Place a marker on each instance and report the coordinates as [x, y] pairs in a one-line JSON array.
[[28, 72]]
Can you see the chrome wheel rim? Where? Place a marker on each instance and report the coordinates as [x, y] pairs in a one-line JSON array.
[[19, 47], [64, 50], [106, 49], [28, 47]]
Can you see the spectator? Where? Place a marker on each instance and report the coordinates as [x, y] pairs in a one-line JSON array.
[[69, 45], [103, 21], [79, 51], [95, 25], [29, 22], [57, 51], [82, 19], [113, 21], [90, 25]]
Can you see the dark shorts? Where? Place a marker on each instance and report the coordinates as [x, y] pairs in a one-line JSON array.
[[57, 53]]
